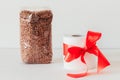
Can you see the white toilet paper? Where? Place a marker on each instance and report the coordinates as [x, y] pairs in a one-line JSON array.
[[77, 66]]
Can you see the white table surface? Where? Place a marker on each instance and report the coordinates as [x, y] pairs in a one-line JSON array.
[[12, 68]]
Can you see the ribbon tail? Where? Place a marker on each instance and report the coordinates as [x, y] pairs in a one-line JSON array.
[[77, 75], [102, 61], [82, 58]]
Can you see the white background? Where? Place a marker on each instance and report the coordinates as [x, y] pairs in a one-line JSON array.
[[70, 17]]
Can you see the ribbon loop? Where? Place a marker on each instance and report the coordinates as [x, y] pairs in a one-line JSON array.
[[92, 38]]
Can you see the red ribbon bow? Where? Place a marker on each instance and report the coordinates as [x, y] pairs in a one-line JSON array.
[[75, 52]]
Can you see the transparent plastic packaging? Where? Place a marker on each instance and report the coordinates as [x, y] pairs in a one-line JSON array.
[[36, 36]]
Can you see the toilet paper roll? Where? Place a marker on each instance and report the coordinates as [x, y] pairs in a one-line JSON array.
[[77, 66]]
